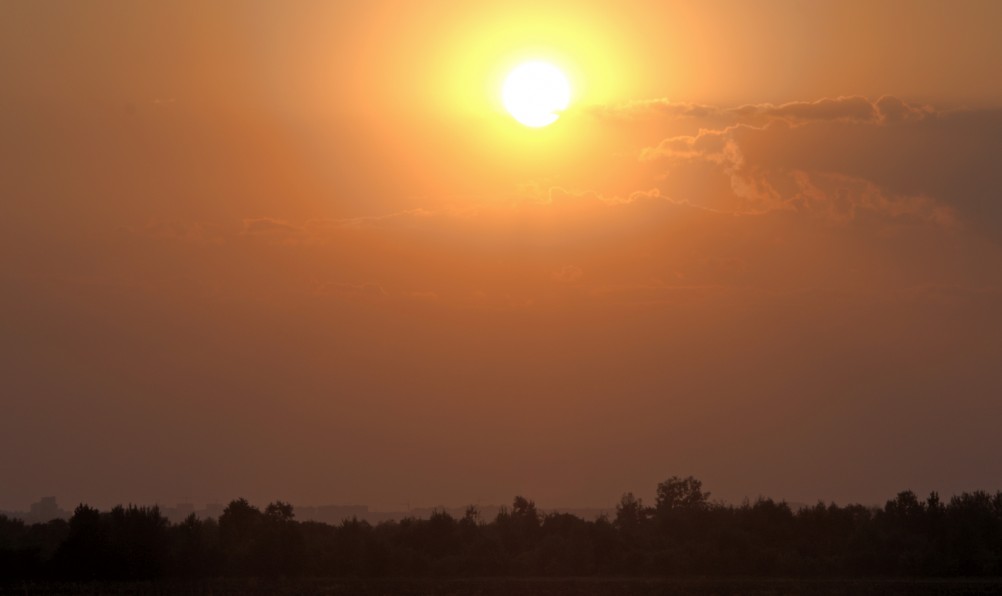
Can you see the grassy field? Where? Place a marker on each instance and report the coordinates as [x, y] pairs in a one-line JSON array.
[[523, 587]]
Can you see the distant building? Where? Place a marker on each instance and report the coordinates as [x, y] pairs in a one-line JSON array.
[[179, 512], [332, 514], [44, 510], [213, 510]]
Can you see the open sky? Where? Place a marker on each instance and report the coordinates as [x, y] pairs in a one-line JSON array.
[[298, 250]]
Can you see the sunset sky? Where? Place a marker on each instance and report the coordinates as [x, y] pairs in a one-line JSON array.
[[299, 250]]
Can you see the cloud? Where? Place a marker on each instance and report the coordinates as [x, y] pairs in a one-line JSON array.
[[570, 199], [840, 194], [855, 108], [848, 109], [365, 290], [662, 107], [270, 227], [892, 110], [406, 215], [843, 198], [710, 145], [567, 274], [842, 158], [195, 232], [320, 231]]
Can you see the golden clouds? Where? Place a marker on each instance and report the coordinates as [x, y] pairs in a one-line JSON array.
[[734, 206], [826, 157]]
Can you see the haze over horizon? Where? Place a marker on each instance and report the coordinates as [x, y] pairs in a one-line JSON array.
[[299, 251]]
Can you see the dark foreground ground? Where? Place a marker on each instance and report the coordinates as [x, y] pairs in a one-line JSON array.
[[523, 587]]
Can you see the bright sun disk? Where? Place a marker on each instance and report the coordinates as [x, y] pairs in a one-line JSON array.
[[535, 92]]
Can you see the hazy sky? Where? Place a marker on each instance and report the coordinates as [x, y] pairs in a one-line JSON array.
[[297, 250]]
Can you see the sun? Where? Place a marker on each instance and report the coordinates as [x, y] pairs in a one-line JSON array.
[[535, 92]]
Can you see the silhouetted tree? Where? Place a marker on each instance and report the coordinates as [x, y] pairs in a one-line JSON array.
[[518, 528], [194, 548], [630, 514], [21, 554], [680, 511], [279, 511], [280, 545], [240, 537], [137, 541], [975, 533], [85, 553], [677, 494]]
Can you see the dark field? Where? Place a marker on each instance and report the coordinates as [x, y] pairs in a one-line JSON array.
[[523, 587]]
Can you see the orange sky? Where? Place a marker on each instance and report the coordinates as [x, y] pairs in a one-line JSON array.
[[298, 251]]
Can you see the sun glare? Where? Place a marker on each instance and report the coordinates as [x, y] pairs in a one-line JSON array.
[[535, 92]]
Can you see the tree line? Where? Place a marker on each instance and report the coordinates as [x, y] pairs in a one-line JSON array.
[[682, 533]]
